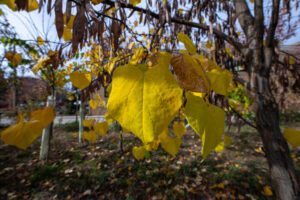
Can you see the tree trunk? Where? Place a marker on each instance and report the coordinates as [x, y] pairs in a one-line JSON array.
[[47, 133], [81, 113], [277, 151]]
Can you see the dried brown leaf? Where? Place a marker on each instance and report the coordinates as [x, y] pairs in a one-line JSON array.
[[59, 18], [189, 73]]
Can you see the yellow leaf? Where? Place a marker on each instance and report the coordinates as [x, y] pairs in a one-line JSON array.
[[109, 119], [188, 43], [15, 59], [137, 99], [81, 79], [10, 3], [90, 136], [101, 102], [93, 104], [189, 73], [23, 134], [179, 128], [268, 191], [67, 35], [292, 136], [291, 61], [32, 5], [137, 54], [88, 123], [95, 2], [208, 44], [220, 147], [40, 40], [39, 64], [45, 116], [101, 128], [252, 1], [139, 152], [134, 2], [220, 81], [207, 120], [169, 144]]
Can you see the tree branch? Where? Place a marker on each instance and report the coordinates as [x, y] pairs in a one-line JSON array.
[[273, 23], [246, 20], [217, 32]]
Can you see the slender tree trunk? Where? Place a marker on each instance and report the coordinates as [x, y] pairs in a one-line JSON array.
[[47, 132], [81, 114]]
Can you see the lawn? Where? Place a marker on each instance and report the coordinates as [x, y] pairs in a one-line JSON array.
[[102, 171]]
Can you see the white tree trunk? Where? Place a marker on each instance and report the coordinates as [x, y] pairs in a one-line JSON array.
[[81, 113], [47, 132]]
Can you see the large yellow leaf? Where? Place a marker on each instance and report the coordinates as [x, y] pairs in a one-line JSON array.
[[23, 134], [139, 152], [81, 79], [207, 120], [45, 116], [134, 2], [292, 136], [220, 81], [188, 43], [145, 102], [190, 74], [168, 143], [101, 128]]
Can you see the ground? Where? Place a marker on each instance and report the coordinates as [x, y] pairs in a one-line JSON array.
[[102, 171]]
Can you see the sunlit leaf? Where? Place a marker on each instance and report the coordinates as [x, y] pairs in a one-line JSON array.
[[45, 116], [137, 99], [207, 120], [81, 79], [188, 43], [292, 136], [39, 65], [134, 2], [220, 81], [101, 128], [88, 123], [268, 191], [168, 143], [93, 104], [40, 40], [89, 136], [22, 134], [137, 54]]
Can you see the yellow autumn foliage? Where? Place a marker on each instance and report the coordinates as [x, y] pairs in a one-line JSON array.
[[22, 134], [134, 102], [207, 120], [81, 79]]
